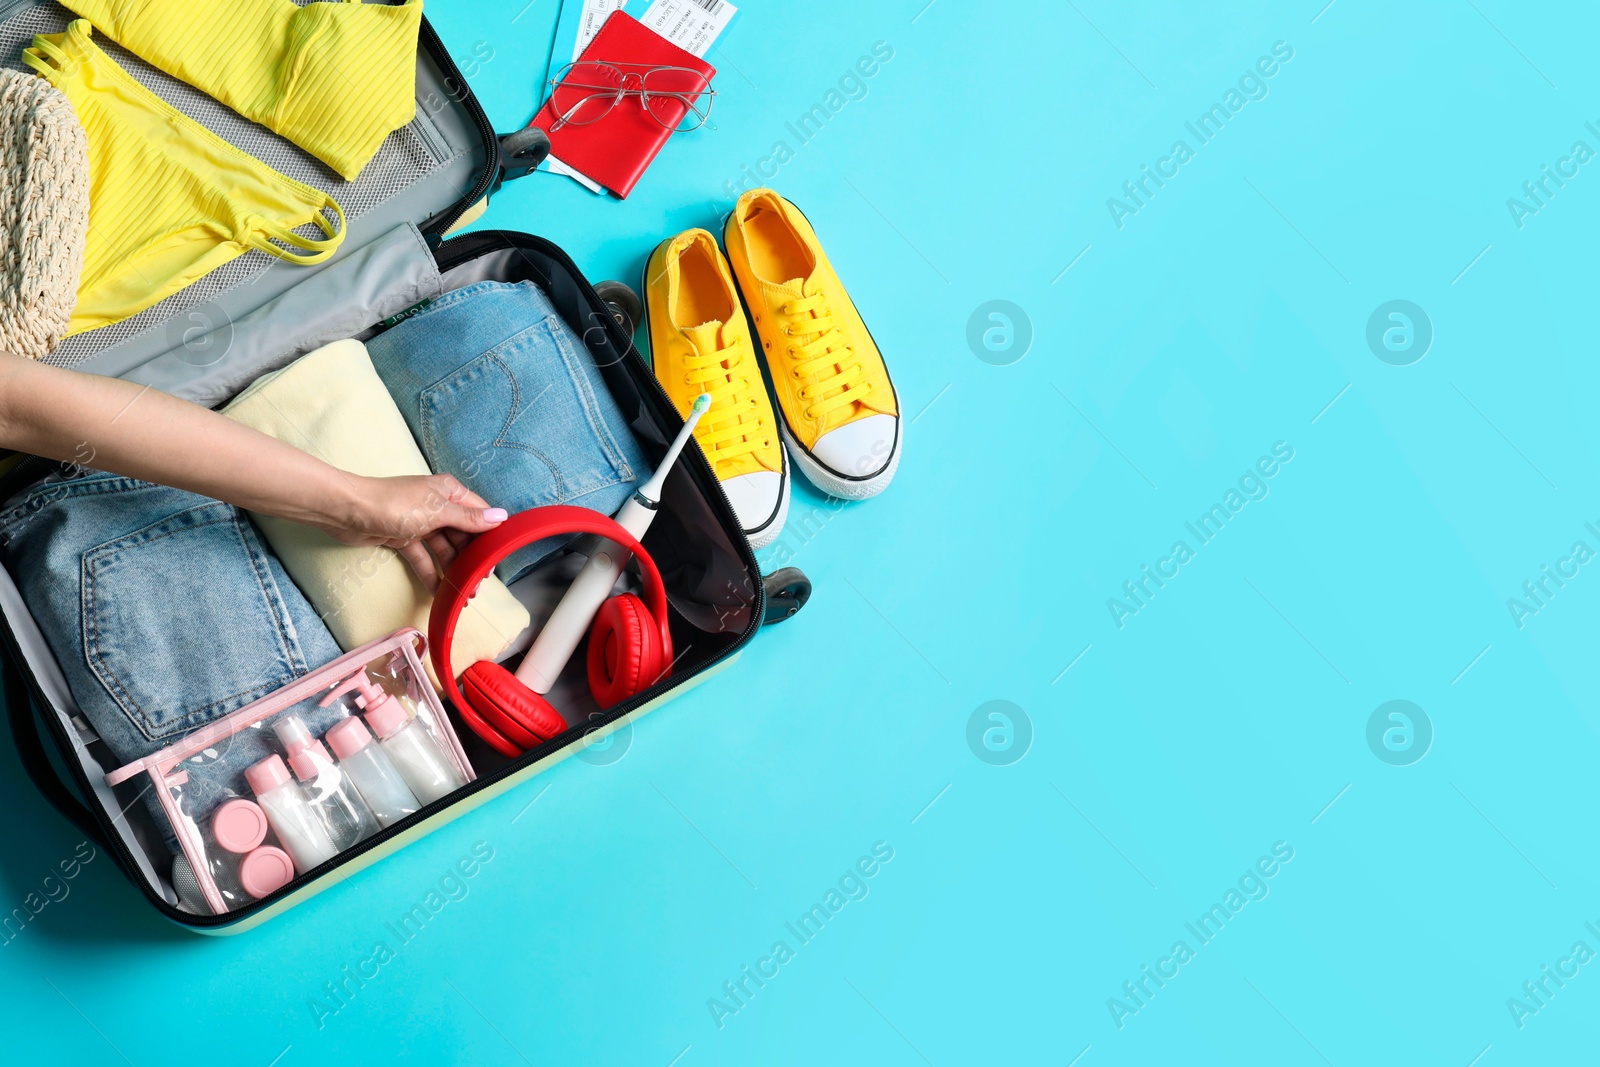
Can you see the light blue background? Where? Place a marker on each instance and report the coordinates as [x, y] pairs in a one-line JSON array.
[[1230, 713]]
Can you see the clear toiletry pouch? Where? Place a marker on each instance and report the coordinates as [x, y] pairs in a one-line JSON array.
[[351, 748]]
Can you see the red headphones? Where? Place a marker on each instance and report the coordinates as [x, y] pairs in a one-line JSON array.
[[630, 646]]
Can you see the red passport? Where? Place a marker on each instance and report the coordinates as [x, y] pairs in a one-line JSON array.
[[615, 149]]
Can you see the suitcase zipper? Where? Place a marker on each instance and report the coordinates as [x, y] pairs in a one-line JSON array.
[[113, 840], [467, 244], [437, 225]]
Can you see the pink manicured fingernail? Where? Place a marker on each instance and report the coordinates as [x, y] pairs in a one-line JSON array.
[[494, 515]]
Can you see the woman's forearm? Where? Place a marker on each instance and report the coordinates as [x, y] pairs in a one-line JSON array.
[[119, 426], [128, 429]]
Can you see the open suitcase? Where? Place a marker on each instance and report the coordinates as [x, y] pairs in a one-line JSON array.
[[255, 315]]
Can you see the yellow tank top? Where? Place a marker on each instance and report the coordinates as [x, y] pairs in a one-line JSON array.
[[335, 78], [169, 201]]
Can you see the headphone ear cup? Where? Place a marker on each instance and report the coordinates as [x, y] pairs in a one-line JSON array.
[[625, 653], [516, 712]]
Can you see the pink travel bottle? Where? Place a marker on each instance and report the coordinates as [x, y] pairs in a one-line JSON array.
[[331, 792], [385, 792], [292, 819], [406, 741]]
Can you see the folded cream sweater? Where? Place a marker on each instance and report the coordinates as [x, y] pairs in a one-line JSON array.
[[332, 404]]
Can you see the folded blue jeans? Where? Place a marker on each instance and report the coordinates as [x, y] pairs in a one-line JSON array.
[[499, 391], [165, 611]]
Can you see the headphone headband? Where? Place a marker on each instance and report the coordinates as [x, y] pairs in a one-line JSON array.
[[478, 559]]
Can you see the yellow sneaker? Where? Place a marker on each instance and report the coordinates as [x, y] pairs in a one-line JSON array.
[[700, 343], [841, 417]]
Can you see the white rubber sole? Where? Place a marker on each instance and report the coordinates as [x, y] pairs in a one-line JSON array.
[[831, 482], [769, 533]]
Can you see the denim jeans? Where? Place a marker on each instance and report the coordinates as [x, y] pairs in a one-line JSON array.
[[500, 392], [165, 611]]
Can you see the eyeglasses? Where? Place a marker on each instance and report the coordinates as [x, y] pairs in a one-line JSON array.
[[586, 91]]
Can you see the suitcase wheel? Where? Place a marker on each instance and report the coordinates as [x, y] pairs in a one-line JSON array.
[[788, 590], [625, 305], [522, 152]]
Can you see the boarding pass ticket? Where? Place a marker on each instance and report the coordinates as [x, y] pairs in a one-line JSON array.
[[692, 25]]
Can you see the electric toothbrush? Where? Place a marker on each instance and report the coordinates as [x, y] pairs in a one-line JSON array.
[[570, 621]]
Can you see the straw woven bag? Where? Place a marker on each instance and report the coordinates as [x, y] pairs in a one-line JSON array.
[[44, 212]]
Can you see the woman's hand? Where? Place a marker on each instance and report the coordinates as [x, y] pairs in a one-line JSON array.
[[425, 518]]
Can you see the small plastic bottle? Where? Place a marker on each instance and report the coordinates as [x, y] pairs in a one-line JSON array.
[[292, 818], [413, 751], [406, 741], [328, 789], [364, 763]]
